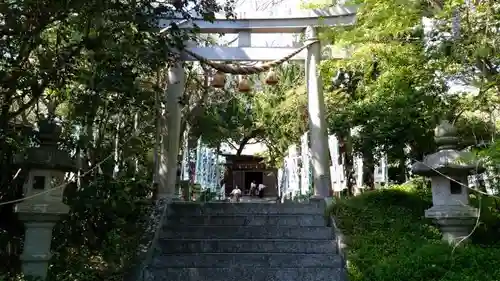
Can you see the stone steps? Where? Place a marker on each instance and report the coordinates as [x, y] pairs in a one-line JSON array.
[[196, 209], [247, 232], [177, 246], [223, 260], [248, 274], [246, 242], [249, 220]]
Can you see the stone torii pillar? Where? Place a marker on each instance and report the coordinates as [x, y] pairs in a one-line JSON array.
[[167, 172], [175, 90], [317, 117]]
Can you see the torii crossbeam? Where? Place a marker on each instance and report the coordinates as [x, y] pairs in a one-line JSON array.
[[295, 23], [301, 21]]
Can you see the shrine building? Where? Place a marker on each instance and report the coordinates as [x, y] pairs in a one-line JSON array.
[[241, 170]]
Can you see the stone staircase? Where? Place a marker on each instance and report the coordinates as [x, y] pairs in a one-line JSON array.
[[247, 242]]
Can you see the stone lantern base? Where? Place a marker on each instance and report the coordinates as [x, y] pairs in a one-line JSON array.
[[39, 220], [455, 222]]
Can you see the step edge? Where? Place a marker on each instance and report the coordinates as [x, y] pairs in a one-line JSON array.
[[245, 224], [265, 225], [246, 215], [239, 267], [243, 203], [175, 213], [254, 253], [244, 239], [256, 267]]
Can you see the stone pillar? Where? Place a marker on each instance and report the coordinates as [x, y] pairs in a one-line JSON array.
[[43, 190], [317, 120], [37, 240], [448, 171], [167, 172], [175, 90]]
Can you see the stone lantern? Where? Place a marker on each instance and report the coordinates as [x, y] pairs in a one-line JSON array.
[[43, 205], [448, 170]]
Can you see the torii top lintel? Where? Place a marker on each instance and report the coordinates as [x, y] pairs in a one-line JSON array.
[[294, 23]]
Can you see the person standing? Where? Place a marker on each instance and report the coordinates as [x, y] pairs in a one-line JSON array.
[[261, 190], [253, 186]]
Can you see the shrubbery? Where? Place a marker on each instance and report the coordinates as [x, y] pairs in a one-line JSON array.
[[389, 239], [100, 238]]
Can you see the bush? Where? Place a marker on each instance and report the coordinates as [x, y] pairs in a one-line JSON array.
[[207, 196], [389, 239], [488, 231], [100, 237]]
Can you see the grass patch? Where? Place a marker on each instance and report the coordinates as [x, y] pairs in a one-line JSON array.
[[389, 239]]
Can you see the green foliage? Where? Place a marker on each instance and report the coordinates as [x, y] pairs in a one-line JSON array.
[[402, 82], [473, 53], [385, 21], [275, 115], [230, 120], [388, 238], [281, 111], [303, 197], [486, 232], [94, 65], [418, 186], [491, 155], [401, 106], [103, 231], [100, 237], [402, 86], [489, 206], [207, 196]]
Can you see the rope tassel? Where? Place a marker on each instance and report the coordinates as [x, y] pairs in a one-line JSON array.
[[246, 70]]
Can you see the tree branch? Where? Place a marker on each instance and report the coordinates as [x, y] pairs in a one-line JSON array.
[[254, 133], [38, 89]]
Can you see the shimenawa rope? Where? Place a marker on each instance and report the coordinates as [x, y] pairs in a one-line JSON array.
[[246, 70]]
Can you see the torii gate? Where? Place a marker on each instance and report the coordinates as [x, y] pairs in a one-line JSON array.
[[298, 22]]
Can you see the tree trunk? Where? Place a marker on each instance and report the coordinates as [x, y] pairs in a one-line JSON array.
[[158, 139], [79, 164], [89, 159], [116, 156], [245, 140], [348, 164], [135, 161], [402, 168], [368, 169], [5, 150]]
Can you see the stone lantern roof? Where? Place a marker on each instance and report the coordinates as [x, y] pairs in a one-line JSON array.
[[447, 160], [47, 155]]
